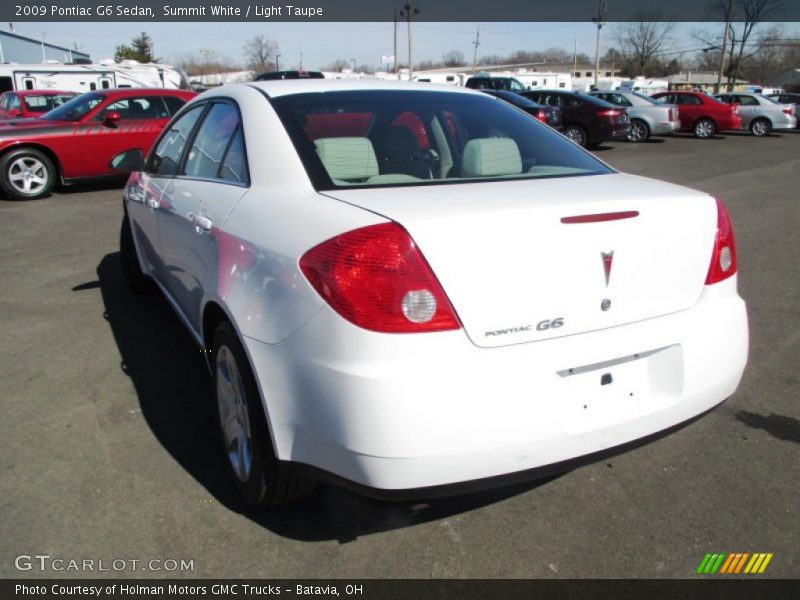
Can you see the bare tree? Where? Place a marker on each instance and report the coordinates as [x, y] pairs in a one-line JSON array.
[[206, 62], [259, 53], [453, 58], [751, 13], [641, 42]]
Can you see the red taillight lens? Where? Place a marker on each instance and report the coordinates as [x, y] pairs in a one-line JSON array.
[[788, 110], [723, 258], [542, 116], [376, 278], [609, 112]]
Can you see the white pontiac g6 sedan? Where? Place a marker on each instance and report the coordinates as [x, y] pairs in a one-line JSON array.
[[417, 290]]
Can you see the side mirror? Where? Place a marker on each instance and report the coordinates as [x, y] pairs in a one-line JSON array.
[[13, 113], [128, 161], [111, 118]]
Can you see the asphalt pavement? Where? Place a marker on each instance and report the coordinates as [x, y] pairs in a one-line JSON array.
[[109, 449]]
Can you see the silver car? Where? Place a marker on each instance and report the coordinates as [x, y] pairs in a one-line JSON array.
[[648, 117], [761, 114]]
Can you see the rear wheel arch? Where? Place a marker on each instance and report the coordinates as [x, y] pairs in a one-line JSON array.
[[266, 482]]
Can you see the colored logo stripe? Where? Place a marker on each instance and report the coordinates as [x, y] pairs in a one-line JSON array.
[[734, 563]]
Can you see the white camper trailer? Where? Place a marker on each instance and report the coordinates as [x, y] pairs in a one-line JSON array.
[[537, 80], [85, 78]]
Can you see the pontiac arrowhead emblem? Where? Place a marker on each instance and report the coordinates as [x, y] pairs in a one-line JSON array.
[[608, 259]]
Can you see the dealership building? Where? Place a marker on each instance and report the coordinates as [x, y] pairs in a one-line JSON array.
[[15, 48]]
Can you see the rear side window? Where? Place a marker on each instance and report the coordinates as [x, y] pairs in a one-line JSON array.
[[174, 104], [687, 99], [747, 100], [166, 158], [212, 144]]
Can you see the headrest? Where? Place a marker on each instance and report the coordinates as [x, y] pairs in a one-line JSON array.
[[490, 157], [347, 158]]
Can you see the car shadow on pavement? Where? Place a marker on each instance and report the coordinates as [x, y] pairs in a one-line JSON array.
[[780, 427], [174, 389]]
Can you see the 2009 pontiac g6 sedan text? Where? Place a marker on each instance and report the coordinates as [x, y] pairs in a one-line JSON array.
[[417, 289]]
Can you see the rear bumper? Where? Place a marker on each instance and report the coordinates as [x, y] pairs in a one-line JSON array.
[[666, 127], [407, 412]]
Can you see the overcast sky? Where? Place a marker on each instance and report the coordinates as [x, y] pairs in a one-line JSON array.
[[321, 43]]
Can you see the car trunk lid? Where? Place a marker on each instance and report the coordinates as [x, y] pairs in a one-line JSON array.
[[524, 261]]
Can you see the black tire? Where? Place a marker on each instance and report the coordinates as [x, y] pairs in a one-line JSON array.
[[265, 482], [639, 131], [761, 127], [577, 134], [132, 273], [705, 129], [27, 174]]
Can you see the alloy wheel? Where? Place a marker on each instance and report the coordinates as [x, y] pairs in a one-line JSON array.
[[28, 175], [233, 412]]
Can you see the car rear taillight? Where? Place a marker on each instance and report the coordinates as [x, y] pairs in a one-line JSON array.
[[542, 116], [609, 112], [723, 258], [376, 278], [788, 110]]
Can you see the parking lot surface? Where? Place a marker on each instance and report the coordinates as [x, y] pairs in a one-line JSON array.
[[109, 446]]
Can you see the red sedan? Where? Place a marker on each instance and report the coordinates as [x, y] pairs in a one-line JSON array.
[[30, 104], [78, 139], [702, 114]]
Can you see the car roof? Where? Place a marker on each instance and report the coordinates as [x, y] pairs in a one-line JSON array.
[[285, 87]]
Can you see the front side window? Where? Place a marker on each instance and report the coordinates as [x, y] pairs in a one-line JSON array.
[[166, 158], [146, 107], [422, 138]]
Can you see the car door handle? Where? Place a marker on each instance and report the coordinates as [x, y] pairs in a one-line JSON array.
[[152, 203], [202, 222]]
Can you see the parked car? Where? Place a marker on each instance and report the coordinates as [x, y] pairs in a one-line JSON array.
[[487, 82], [587, 120], [272, 75], [520, 309], [789, 98], [29, 104], [549, 115], [760, 114], [76, 140], [702, 114], [647, 116]]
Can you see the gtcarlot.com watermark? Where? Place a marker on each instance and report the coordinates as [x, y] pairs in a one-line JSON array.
[[42, 563]]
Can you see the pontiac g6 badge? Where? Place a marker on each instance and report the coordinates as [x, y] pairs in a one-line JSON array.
[[608, 259]]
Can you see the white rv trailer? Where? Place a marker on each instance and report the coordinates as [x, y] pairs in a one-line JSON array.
[[85, 78], [540, 80]]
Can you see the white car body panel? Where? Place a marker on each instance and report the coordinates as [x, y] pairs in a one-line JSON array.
[[406, 411]]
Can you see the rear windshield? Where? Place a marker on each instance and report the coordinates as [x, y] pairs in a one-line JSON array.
[[44, 103], [394, 138]]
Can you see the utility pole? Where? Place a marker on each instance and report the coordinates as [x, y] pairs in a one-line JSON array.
[[599, 21], [575, 58], [476, 43], [728, 17], [408, 12], [395, 46]]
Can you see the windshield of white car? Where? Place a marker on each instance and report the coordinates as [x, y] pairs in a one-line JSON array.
[[381, 138], [75, 108]]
